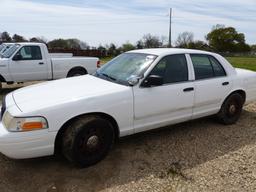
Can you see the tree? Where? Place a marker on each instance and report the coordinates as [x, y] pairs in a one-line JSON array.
[[73, 44], [5, 37], [227, 39], [139, 44], [184, 39], [201, 45], [84, 45], [18, 38], [150, 41], [112, 49], [67, 44], [58, 44], [127, 47], [253, 48], [38, 40]]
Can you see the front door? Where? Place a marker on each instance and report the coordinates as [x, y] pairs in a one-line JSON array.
[[169, 103], [28, 64]]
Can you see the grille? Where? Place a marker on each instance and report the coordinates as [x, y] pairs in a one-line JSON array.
[[3, 108]]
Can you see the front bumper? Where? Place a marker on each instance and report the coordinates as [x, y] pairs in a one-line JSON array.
[[23, 145]]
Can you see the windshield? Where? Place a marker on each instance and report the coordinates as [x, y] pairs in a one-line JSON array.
[[9, 52], [126, 65]]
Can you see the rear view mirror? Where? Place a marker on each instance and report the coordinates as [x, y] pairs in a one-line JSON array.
[[152, 80]]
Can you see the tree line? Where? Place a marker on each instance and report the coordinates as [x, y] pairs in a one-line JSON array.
[[220, 39]]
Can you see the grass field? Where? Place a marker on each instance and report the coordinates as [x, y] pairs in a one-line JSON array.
[[243, 62]]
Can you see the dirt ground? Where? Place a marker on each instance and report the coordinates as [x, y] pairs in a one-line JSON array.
[[200, 155]]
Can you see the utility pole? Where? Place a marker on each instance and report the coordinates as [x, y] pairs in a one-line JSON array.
[[170, 29]]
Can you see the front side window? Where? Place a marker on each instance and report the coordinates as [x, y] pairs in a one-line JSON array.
[[30, 53], [206, 66], [172, 69]]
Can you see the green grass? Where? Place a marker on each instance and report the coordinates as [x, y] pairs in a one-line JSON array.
[[105, 60], [243, 62], [239, 62]]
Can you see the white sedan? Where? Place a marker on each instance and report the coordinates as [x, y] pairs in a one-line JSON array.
[[81, 117]]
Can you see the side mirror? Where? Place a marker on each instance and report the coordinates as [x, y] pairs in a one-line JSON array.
[[17, 57], [153, 80]]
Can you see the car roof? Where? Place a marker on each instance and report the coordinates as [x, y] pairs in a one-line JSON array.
[[167, 51]]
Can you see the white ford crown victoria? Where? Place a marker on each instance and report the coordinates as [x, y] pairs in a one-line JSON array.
[[137, 91]]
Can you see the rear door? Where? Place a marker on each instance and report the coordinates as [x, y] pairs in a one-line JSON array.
[[28, 64], [212, 84]]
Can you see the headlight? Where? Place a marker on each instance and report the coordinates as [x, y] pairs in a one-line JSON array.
[[18, 124]]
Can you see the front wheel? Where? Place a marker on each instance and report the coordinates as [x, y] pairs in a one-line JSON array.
[[231, 109], [87, 140]]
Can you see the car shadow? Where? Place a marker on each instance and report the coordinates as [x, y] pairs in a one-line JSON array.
[[167, 151]]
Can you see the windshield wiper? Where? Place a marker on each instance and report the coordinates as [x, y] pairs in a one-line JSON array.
[[108, 76]]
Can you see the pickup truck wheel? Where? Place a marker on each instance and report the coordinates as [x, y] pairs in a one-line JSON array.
[[87, 140], [231, 109], [76, 72]]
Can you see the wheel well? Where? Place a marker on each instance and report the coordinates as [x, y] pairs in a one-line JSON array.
[[2, 79], [240, 92], [58, 139], [79, 69]]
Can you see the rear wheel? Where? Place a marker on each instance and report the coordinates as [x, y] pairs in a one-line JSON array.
[[231, 109], [76, 72], [87, 140]]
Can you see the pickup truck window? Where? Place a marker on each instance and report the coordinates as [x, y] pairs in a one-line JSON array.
[[172, 68], [8, 53], [206, 66], [121, 68], [30, 53]]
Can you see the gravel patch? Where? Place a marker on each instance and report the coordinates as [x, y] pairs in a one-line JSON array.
[[199, 155]]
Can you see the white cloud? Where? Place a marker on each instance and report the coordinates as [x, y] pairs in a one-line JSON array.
[[115, 23]]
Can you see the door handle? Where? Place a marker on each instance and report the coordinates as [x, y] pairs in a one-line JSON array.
[[41, 63], [225, 83], [188, 89]]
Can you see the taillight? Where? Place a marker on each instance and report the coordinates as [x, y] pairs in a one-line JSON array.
[[98, 64]]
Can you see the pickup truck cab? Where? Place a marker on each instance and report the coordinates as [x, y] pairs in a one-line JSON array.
[[31, 62], [137, 91]]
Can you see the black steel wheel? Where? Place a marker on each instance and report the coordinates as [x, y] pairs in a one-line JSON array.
[[231, 109], [87, 140]]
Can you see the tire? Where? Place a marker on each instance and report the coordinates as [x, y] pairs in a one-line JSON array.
[[231, 109], [88, 140], [76, 72]]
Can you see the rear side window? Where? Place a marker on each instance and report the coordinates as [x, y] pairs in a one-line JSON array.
[[30, 53], [172, 68], [206, 67], [217, 67]]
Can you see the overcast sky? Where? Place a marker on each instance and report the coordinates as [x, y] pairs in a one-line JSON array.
[[100, 22]]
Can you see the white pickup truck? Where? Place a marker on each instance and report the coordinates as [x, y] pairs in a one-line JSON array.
[[137, 91], [31, 62]]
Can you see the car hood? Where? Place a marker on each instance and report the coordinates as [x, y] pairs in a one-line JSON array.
[[57, 92]]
